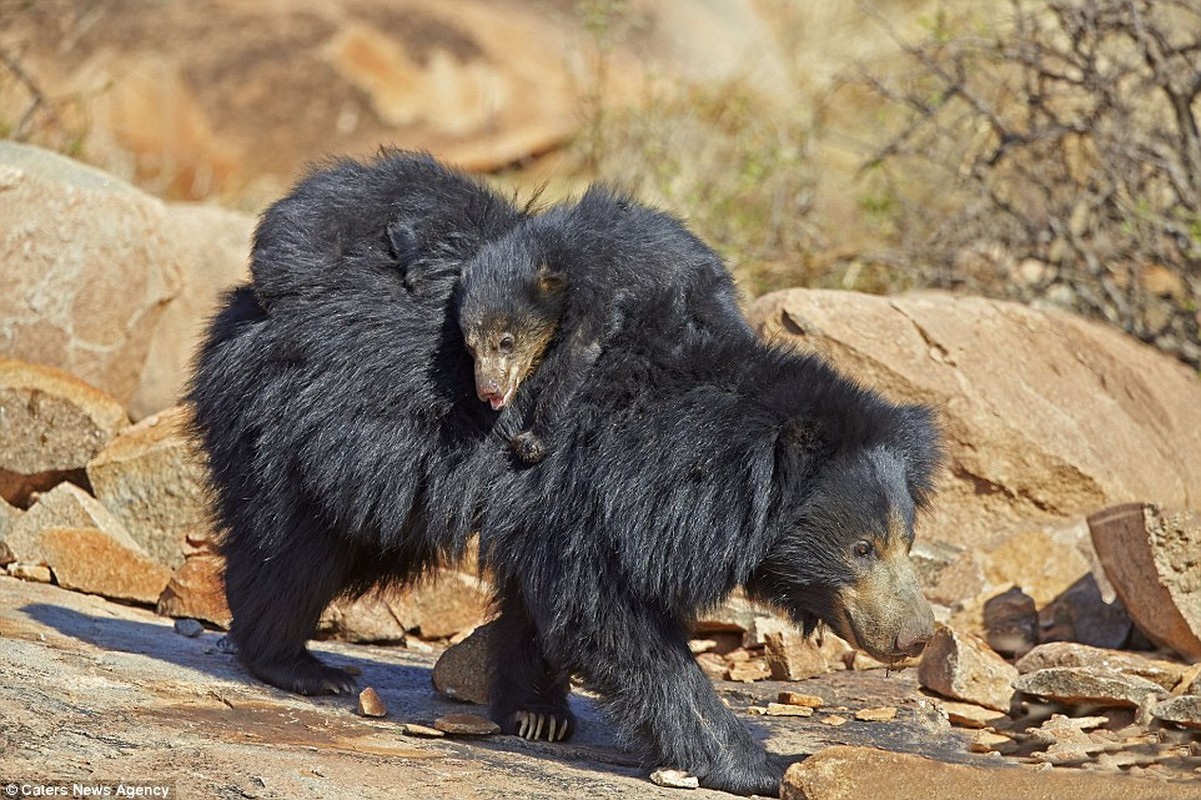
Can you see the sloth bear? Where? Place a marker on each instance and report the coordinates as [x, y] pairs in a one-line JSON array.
[[560, 270], [337, 409]]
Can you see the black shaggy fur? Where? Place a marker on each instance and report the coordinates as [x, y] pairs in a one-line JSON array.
[[588, 269], [337, 409]]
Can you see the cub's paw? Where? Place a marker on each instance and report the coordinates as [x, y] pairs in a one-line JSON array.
[[535, 725], [306, 676], [529, 447]]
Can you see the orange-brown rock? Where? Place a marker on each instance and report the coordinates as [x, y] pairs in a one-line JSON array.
[[461, 672], [844, 773], [963, 667], [151, 478], [1150, 557], [91, 560], [64, 506], [53, 423], [1043, 411], [197, 590]]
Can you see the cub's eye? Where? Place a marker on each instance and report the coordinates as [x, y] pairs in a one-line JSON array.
[[863, 548], [506, 344]]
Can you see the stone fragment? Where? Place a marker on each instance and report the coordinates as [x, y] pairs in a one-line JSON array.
[[197, 590], [834, 720], [1190, 681], [92, 560], [713, 665], [1089, 686], [845, 772], [371, 704], [882, 714], [1011, 622], [6, 555], [987, 742], [188, 627], [450, 602], [736, 615], [785, 710], [425, 732], [1184, 710], [792, 656], [755, 669], [369, 618], [962, 667], [466, 725], [799, 699], [1150, 557], [1082, 614], [1068, 654], [64, 506], [151, 478], [53, 424], [461, 672], [969, 715], [38, 573], [674, 779]]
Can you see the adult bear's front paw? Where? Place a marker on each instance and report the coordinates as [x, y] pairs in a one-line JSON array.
[[762, 778], [535, 725]]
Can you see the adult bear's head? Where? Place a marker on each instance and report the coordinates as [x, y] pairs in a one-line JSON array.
[[848, 501]]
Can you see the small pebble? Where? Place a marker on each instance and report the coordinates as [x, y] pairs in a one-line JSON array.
[[785, 710], [798, 699], [882, 714], [190, 628], [413, 729], [37, 573], [466, 724], [834, 720], [370, 704], [675, 779]]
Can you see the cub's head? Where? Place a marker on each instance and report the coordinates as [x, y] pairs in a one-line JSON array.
[[509, 303], [842, 550]]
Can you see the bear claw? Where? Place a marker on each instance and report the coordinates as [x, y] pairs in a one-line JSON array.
[[530, 726]]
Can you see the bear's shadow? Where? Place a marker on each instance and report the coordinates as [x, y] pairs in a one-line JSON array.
[[401, 677]]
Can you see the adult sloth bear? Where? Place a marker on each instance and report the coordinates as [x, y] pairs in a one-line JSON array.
[[338, 410]]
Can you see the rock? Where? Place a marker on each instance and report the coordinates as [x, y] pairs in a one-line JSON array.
[[834, 720], [786, 710], [64, 506], [188, 627], [38, 573], [466, 725], [92, 560], [674, 779], [152, 479], [1151, 559], [1089, 686], [1067, 654], [212, 258], [961, 666], [735, 615], [461, 672], [1011, 622], [798, 699], [413, 729], [791, 656], [364, 619], [450, 602], [882, 714], [969, 715], [370, 704], [1082, 614], [1047, 446], [1184, 710], [756, 669], [843, 772], [6, 555], [53, 423], [87, 269], [197, 590]]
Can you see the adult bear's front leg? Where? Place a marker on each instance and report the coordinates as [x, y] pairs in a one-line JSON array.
[[528, 695], [656, 693]]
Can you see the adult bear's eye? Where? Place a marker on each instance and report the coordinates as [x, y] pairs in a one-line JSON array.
[[506, 344], [863, 548]]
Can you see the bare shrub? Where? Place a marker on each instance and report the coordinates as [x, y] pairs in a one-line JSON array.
[[1057, 159]]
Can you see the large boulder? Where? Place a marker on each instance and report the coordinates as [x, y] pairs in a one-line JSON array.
[[51, 424], [99, 276], [1048, 417]]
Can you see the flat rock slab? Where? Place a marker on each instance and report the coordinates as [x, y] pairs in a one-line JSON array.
[[1071, 654], [852, 773], [1151, 559], [1089, 686], [963, 667]]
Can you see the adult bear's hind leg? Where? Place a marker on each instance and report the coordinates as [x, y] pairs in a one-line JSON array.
[[276, 594], [529, 692]]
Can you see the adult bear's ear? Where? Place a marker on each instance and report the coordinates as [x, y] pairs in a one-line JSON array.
[[917, 440], [550, 281]]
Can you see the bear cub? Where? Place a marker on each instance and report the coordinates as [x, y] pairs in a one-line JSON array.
[[568, 280]]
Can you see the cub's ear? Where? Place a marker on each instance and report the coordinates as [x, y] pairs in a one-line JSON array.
[[402, 243], [550, 281], [917, 440]]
